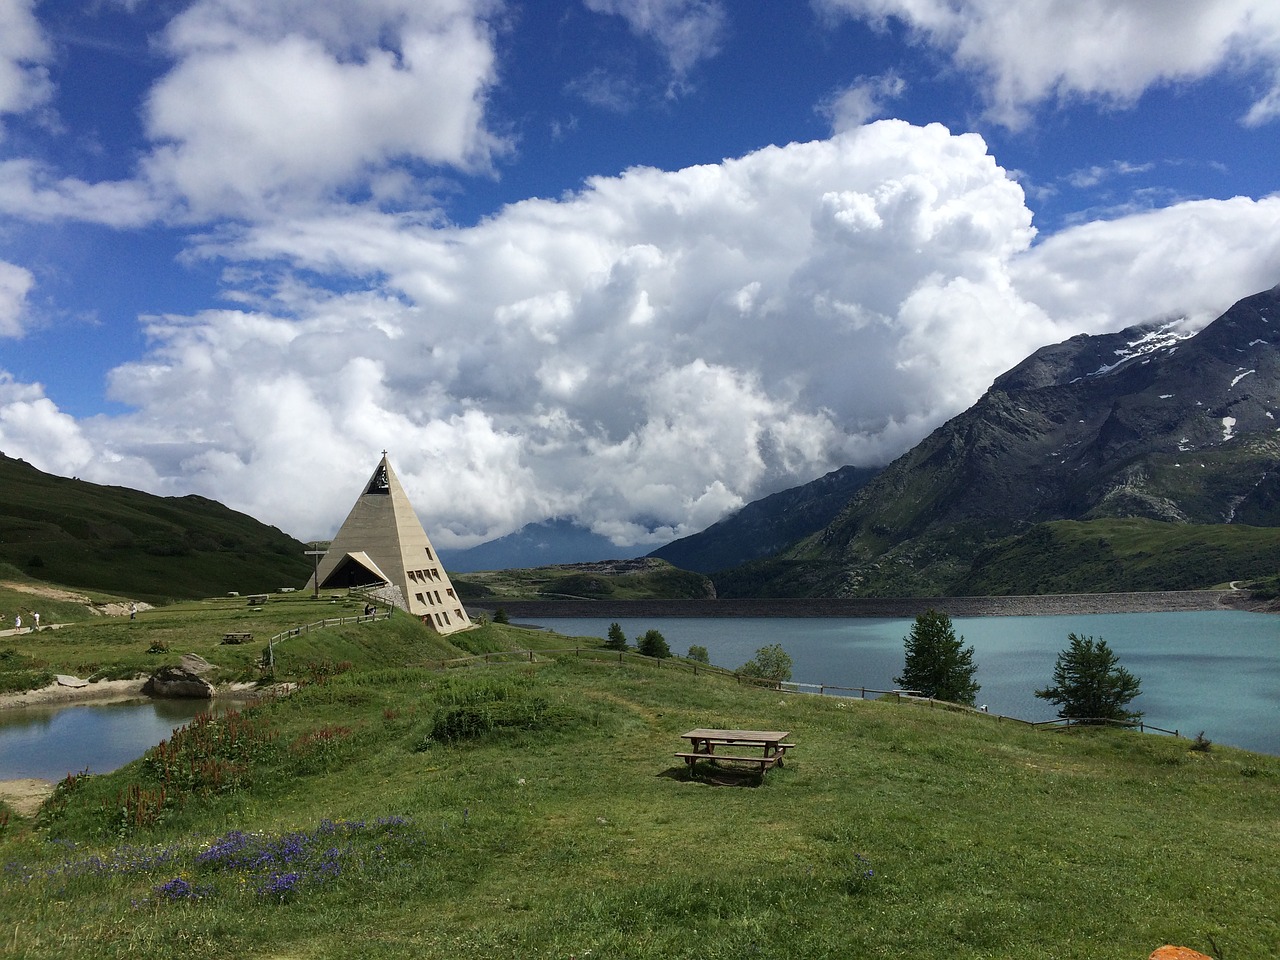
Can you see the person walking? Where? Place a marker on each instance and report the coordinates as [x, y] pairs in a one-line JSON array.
[[35, 616], [17, 622]]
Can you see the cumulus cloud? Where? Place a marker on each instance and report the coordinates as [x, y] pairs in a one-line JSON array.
[[15, 283], [686, 30], [1192, 260], [1109, 50], [646, 354], [301, 99], [24, 51], [34, 429]]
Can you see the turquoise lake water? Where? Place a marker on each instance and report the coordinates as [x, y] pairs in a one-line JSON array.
[[1217, 672]]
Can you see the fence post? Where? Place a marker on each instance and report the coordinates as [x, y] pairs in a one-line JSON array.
[[531, 656]]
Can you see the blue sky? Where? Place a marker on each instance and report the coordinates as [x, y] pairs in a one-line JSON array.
[[632, 262]]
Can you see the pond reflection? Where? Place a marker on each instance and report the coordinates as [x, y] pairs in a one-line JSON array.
[[48, 742]]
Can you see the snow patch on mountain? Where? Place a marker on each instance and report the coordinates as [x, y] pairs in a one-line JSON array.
[[1165, 337]]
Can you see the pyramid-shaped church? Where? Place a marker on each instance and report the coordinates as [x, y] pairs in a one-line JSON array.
[[381, 546]]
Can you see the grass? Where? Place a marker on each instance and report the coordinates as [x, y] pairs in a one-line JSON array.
[[537, 810]]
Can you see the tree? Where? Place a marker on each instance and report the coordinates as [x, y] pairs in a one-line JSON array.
[[1090, 684], [653, 644], [617, 640], [937, 663], [698, 654], [500, 615], [770, 663]]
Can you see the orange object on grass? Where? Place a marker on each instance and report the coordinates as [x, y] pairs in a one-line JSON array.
[[1178, 953]]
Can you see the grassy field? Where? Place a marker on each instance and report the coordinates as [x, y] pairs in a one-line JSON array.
[[388, 808]]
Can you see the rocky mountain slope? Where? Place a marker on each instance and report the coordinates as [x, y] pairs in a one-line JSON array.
[[1141, 424], [765, 526]]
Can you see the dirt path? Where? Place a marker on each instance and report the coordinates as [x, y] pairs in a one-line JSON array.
[[25, 796], [72, 690], [49, 592]]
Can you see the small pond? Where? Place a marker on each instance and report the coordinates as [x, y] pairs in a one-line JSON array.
[[49, 742]]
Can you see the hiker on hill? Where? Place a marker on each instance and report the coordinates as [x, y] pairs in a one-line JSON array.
[[17, 622], [35, 616]]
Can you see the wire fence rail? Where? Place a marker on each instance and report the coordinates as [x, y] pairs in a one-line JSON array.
[[1060, 722], [318, 625], [607, 655]]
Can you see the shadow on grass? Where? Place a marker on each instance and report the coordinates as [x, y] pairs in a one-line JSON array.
[[712, 775]]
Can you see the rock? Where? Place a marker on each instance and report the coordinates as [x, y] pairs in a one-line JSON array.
[[178, 683], [196, 663]]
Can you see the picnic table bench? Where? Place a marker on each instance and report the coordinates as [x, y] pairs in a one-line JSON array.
[[237, 637], [771, 744]]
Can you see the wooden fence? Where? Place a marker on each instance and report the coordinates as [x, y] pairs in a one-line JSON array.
[[692, 666], [318, 625], [1061, 722]]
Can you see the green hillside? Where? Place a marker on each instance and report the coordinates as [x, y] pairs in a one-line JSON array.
[[647, 578], [535, 809], [1109, 556], [127, 542]]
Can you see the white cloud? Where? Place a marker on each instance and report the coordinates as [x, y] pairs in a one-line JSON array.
[[34, 429], [1086, 177], [300, 99], [15, 284], [657, 348], [1110, 50], [686, 30], [32, 192], [865, 99], [24, 81], [1192, 259], [643, 355]]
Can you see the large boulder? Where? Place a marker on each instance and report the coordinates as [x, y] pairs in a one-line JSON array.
[[178, 683]]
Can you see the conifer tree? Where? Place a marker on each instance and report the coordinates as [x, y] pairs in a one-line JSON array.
[[1090, 684], [616, 640], [937, 663], [653, 644]]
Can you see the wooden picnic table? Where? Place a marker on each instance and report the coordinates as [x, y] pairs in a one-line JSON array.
[[704, 741]]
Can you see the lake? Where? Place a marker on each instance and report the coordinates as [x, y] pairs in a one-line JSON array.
[[48, 742], [1211, 671]]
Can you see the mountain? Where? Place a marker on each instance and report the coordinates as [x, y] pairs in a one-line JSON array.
[[1147, 424], [123, 541], [765, 526], [543, 544]]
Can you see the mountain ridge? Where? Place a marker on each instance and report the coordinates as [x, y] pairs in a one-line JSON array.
[[1142, 424]]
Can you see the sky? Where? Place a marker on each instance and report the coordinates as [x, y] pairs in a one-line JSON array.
[[635, 263]]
